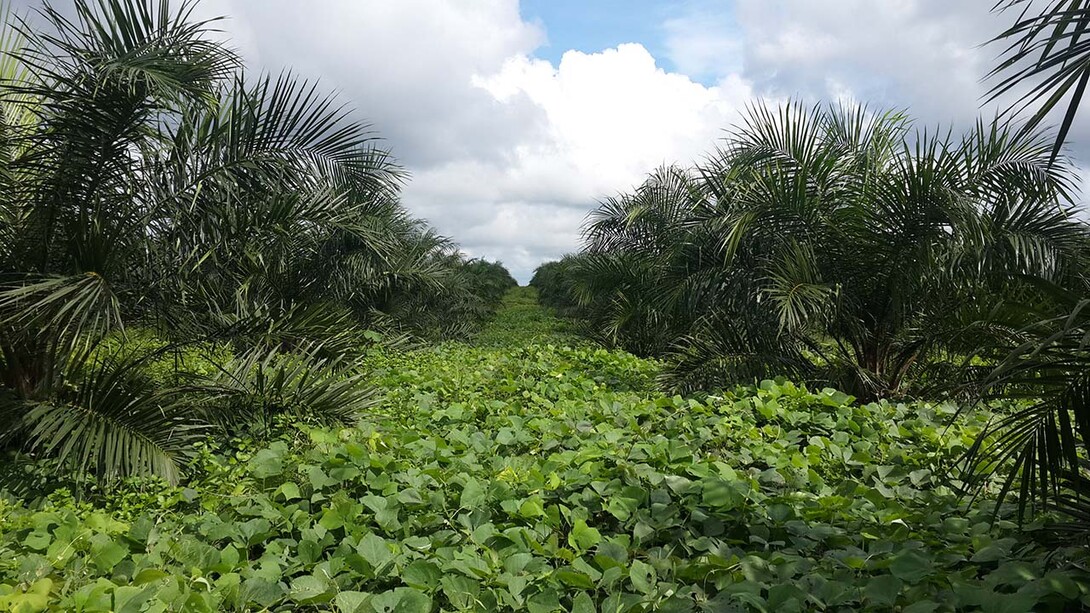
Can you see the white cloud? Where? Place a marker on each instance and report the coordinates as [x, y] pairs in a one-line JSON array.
[[610, 116], [406, 65], [613, 115], [921, 54], [508, 152]]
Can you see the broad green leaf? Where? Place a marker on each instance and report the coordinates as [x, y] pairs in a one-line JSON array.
[[422, 575], [473, 494], [506, 436], [106, 553], [622, 508], [310, 589], [582, 603], [38, 540], [922, 606], [532, 507], [642, 576], [261, 592], [352, 602], [582, 537], [545, 601], [376, 550], [289, 491], [722, 495], [309, 551], [911, 566], [1060, 582], [574, 578], [401, 600], [149, 575], [461, 591], [267, 463], [883, 590]]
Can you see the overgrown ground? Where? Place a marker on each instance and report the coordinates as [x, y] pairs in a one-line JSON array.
[[530, 471]]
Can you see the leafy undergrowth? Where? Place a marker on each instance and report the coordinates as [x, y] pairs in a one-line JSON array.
[[528, 473]]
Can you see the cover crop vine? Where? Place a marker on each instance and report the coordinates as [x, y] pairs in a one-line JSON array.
[[540, 476]]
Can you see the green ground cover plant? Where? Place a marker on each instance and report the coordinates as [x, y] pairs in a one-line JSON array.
[[236, 374], [540, 474]]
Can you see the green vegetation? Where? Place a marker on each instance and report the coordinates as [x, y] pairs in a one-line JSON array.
[[237, 374], [839, 234], [1043, 51], [554, 282], [836, 246], [537, 476], [1045, 61], [185, 248]]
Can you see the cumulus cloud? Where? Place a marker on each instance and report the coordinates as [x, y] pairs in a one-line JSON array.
[[611, 117], [406, 65], [922, 54], [507, 152]]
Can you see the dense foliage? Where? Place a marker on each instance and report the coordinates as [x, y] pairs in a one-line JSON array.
[[554, 282], [489, 281], [216, 394], [833, 244], [1046, 61], [527, 475], [838, 246], [157, 202]]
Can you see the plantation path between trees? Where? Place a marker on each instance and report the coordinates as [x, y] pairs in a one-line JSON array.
[[531, 471]]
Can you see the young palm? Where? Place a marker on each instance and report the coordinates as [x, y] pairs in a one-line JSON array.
[[152, 185], [837, 234]]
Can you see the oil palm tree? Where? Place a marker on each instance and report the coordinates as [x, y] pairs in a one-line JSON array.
[[830, 243], [634, 243], [151, 184]]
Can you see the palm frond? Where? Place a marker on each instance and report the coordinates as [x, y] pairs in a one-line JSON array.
[[114, 422], [264, 383], [1050, 49]]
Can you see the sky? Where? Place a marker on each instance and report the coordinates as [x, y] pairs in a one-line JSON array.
[[514, 118]]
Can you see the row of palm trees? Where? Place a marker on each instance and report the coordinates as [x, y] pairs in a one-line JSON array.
[[836, 244], [828, 242], [840, 245], [159, 205]]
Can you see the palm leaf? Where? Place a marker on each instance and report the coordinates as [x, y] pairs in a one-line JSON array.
[[114, 423], [1050, 48]]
